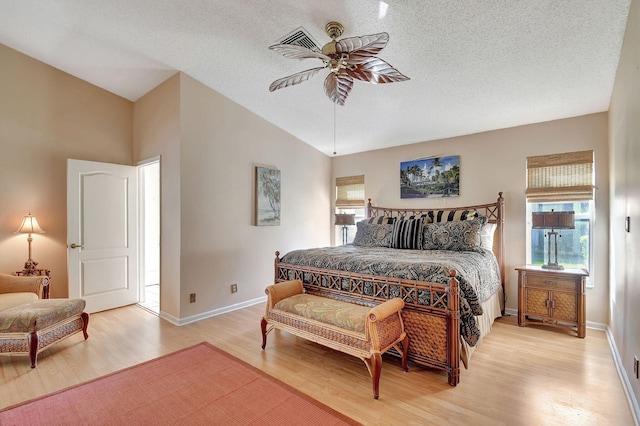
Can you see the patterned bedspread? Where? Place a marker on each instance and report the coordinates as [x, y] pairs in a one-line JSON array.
[[477, 272]]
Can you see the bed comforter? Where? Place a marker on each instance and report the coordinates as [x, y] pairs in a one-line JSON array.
[[477, 272]]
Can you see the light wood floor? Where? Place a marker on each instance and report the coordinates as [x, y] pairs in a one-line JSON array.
[[518, 376]]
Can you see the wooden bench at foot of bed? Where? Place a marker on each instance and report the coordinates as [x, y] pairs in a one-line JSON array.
[[361, 331], [431, 313]]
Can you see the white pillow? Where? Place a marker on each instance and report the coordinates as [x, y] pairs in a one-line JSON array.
[[486, 235]]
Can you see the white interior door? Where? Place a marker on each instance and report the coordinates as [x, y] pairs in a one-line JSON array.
[[102, 241]]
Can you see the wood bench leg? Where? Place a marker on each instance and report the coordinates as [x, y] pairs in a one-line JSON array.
[[85, 324], [33, 348], [263, 328], [405, 353], [376, 368]]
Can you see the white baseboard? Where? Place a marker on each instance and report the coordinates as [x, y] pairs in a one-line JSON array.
[[188, 320], [626, 384]]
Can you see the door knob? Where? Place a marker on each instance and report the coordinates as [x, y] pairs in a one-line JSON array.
[[74, 245]]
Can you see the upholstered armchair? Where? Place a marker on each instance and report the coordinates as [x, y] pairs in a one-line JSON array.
[[22, 284], [30, 322]]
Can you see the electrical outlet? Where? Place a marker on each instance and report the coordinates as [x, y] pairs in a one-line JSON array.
[[192, 298], [234, 288], [636, 367]]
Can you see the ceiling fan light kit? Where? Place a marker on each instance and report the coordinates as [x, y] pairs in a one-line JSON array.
[[349, 59]]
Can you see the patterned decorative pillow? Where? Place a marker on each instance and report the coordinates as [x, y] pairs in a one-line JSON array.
[[373, 234], [452, 215], [380, 220], [407, 234], [461, 235]]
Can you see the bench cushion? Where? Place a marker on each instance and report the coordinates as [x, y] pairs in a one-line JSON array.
[[11, 300], [329, 311], [39, 315]]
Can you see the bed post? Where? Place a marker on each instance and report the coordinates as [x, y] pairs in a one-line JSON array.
[[275, 267], [369, 208], [501, 250], [453, 340]]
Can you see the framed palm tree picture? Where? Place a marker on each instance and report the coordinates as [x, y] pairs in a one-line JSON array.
[[267, 196], [430, 177]]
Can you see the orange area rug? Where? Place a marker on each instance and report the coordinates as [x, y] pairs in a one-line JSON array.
[[199, 385]]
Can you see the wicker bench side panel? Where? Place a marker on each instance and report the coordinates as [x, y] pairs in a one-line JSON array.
[[59, 331], [14, 343], [344, 341], [388, 331]]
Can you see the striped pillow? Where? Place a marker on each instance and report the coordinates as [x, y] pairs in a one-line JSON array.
[[452, 215], [407, 234], [380, 220], [424, 216]]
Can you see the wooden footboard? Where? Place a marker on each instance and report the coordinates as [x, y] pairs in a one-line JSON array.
[[431, 314]]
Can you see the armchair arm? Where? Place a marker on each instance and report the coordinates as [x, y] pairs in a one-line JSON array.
[[384, 325], [22, 284], [382, 311], [282, 290]]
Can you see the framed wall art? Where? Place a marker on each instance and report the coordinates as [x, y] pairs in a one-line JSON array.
[[267, 196], [430, 177]]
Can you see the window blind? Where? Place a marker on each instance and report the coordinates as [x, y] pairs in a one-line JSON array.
[[350, 191], [560, 177]]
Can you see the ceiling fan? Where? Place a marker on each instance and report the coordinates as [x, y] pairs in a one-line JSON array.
[[347, 59]]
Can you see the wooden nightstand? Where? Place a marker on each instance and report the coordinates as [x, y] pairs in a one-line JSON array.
[[552, 297], [39, 272]]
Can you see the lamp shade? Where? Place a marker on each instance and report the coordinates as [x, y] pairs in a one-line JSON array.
[[29, 226], [553, 220], [345, 219]]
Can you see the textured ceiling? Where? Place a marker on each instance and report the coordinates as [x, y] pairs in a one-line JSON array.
[[474, 66]]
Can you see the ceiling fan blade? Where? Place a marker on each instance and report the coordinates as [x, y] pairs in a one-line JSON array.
[[375, 70], [338, 86], [293, 51], [294, 79], [360, 48]]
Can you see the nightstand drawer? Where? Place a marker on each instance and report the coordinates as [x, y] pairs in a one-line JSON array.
[[534, 280]]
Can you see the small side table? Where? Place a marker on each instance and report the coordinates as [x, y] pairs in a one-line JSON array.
[[552, 297], [39, 272]]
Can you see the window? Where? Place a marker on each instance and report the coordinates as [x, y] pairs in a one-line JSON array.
[[349, 200], [562, 182], [574, 250]]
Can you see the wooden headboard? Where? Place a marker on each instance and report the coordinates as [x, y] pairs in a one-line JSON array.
[[493, 211]]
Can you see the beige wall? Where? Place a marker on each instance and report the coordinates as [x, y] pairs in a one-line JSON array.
[[624, 134], [208, 171], [496, 161], [47, 116], [157, 133]]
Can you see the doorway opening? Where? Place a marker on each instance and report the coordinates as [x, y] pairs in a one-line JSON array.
[[149, 228]]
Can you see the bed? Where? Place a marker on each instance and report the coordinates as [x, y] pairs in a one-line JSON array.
[[446, 264]]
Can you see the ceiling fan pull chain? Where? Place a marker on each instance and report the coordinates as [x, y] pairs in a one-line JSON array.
[[334, 128]]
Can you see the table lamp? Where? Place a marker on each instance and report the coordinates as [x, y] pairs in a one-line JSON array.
[[345, 220], [29, 226], [553, 220]]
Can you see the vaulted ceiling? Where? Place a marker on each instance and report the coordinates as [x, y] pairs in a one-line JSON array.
[[473, 65]]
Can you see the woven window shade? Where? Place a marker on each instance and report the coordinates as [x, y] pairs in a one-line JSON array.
[[560, 177], [350, 191]]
